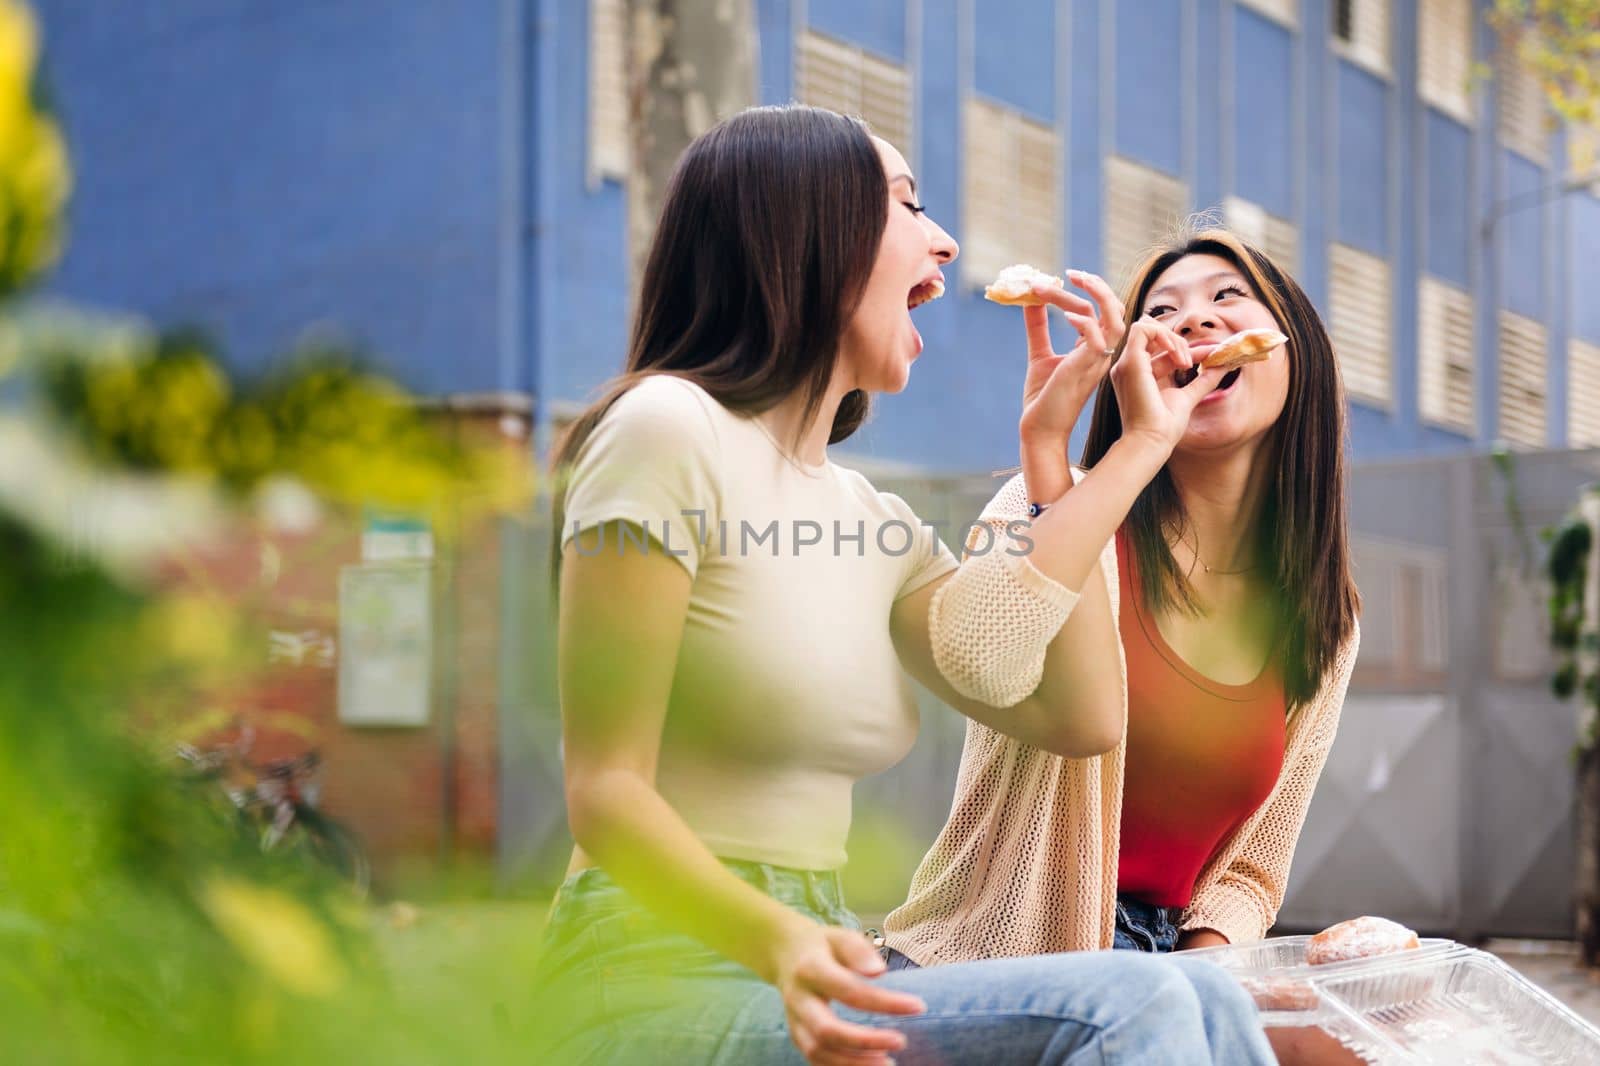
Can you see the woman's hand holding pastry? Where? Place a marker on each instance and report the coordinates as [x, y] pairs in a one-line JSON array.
[[1057, 386], [1154, 407]]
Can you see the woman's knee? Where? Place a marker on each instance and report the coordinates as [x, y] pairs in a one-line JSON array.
[[1216, 988], [1140, 987]]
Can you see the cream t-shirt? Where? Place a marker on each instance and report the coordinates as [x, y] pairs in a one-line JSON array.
[[787, 688]]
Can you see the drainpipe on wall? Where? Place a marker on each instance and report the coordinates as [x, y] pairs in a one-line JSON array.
[[525, 28], [1589, 634], [471, 419]]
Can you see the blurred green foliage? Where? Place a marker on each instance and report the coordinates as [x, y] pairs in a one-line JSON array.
[[137, 924], [1560, 42]]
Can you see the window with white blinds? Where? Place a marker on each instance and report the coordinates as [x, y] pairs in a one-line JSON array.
[[1011, 193], [1583, 394], [1522, 381], [1359, 316], [1278, 237], [844, 77], [1284, 11], [1523, 126], [1361, 32], [1444, 56], [608, 91], [1405, 620], [1445, 356], [1143, 208]]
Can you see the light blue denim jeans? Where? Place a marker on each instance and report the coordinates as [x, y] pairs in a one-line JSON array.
[[1144, 926], [616, 986]]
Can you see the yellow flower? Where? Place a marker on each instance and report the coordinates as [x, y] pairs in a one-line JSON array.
[[277, 934], [19, 47], [44, 174], [194, 630]]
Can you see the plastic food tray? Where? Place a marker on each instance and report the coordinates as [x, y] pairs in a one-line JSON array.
[[1462, 1006], [1285, 956]]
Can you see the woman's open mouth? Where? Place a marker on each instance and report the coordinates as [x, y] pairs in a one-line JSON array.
[[924, 291], [1181, 378]]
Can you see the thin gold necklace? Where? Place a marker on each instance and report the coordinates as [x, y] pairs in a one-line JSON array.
[[1215, 572]]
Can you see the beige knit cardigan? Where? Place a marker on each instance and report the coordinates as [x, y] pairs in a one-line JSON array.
[[1027, 862]]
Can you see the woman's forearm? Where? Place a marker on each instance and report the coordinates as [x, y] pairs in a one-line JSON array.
[[997, 628], [621, 821], [1066, 540], [1045, 467]]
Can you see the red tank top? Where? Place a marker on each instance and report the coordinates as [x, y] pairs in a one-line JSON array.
[[1202, 756]]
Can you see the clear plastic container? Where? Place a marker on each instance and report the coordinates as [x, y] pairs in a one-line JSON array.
[[1331, 1036], [1459, 1007], [1285, 956]]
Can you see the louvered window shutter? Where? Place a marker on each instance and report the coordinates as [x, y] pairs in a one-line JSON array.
[[845, 78], [1445, 356], [1522, 126], [1284, 11], [1359, 322], [1522, 381], [1011, 193], [608, 91], [1362, 28], [1444, 56], [1583, 394], [1143, 207], [1278, 237]]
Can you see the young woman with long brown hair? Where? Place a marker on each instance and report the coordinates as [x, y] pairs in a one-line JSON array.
[[1232, 614], [735, 612]]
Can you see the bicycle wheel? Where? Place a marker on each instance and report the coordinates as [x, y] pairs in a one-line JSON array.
[[335, 847]]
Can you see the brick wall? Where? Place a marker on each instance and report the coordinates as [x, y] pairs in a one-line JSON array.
[[423, 799]]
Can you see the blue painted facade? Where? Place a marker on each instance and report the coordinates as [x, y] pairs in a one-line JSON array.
[[417, 174]]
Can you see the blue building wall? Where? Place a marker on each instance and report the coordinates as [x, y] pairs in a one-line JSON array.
[[1263, 115], [1583, 265], [1447, 201], [258, 168], [417, 173]]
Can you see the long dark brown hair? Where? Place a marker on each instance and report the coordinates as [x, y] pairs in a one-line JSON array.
[[768, 233], [1302, 534]]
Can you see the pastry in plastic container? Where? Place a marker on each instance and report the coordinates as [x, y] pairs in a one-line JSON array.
[[1288, 956], [1359, 938]]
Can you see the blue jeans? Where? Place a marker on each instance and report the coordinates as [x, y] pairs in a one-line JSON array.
[[616, 986], [1143, 926]]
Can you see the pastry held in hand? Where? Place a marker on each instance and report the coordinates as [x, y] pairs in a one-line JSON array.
[[1246, 346], [1014, 286], [1359, 938]]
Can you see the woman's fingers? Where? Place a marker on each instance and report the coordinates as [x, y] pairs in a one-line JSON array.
[[1165, 365], [1162, 338], [1135, 359], [1111, 310], [864, 995], [1091, 333], [1097, 287], [851, 1058], [1188, 396], [1037, 323], [1066, 301], [832, 1034], [842, 980], [854, 952]]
